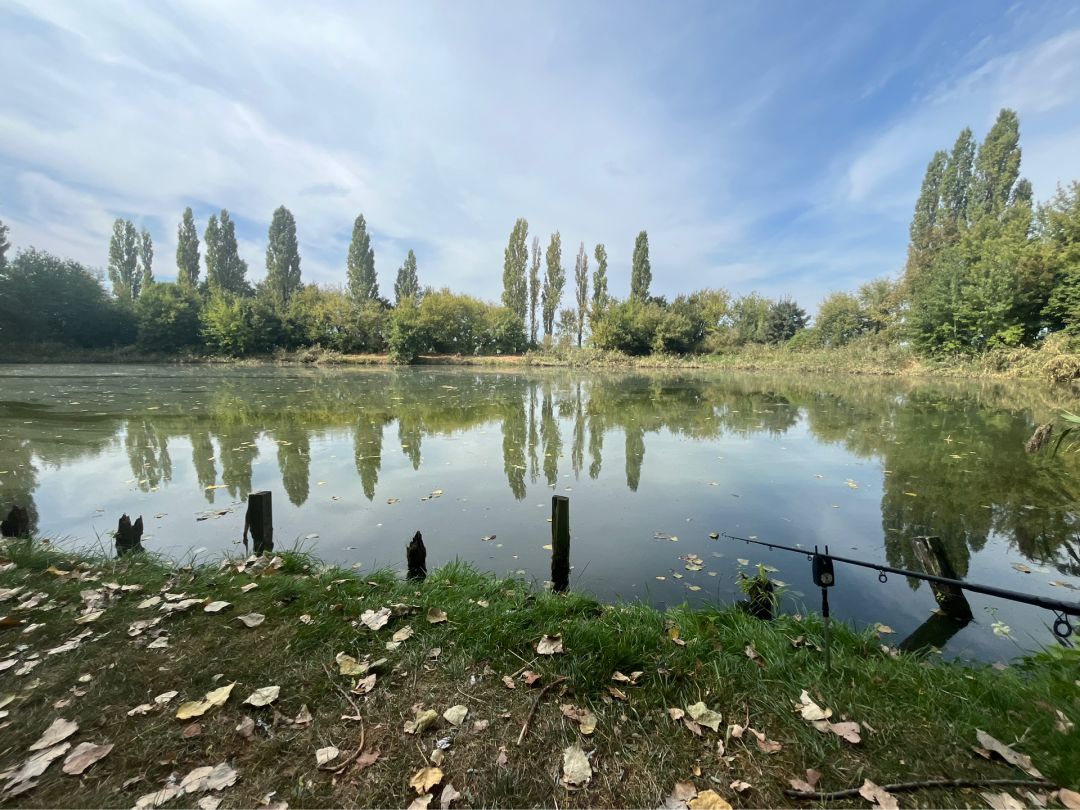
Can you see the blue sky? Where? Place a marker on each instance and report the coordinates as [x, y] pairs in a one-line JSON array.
[[775, 146]]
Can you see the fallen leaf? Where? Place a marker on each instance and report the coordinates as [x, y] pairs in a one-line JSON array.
[[303, 717], [197, 708], [375, 619], [739, 786], [328, 754], [766, 745], [617, 693], [809, 710], [509, 682], [217, 607], [403, 634], [246, 728], [364, 685], [448, 796], [420, 721], [501, 760], [249, 587], [165, 697], [530, 677], [883, 629], [59, 731], [425, 779], [876, 794], [190, 731], [157, 798], [420, 802], [1069, 798], [83, 756], [576, 769], [708, 800], [142, 708], [207, 778], [848, 730], [681, 794], [549, 645], [263, 696], [1021, 761], [209, 803], [347, 665], [676, 713], [436, 616], [801, 786], [92, 616], [252, 619], [705, 716], [1002, 801], [455, 715]]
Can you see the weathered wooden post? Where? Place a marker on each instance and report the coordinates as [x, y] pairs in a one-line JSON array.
[[259, 520], [128, 535], [16, 524], [416, 557], [560, 542], [930, 552]]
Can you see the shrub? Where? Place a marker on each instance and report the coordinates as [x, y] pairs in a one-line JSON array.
[[168, 318], [240, 326]]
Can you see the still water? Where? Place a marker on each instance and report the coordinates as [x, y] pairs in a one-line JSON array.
[[652, 463]]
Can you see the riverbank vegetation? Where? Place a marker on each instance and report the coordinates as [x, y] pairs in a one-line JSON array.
[[314, 686], [991, 284]]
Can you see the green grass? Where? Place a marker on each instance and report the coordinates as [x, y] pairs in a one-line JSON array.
[[919, 716]]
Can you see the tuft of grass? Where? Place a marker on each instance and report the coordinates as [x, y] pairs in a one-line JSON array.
[[918, 716]]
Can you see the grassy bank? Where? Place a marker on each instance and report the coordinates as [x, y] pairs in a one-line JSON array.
[[917, 719], [1056, 361]]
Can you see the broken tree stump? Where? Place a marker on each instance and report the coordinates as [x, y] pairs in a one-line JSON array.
[[560, 543], [416, 557], [930, 552], [16, 524], [259, 520], [128, 535]]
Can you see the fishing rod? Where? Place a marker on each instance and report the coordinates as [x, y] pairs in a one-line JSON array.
[[824, 578]]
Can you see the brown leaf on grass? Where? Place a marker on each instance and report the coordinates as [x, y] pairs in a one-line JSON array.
[[209, 778], [217, 607], [1002, 801], [347, 665], [92, 616], [703, 715], [683, 792], [22, 778], [617, 693], [403, 634], [1063, 723], [509, 682], [436, 616], [480, 725], [142, 708], [766, 745], [367, 759], [327, 754], [303, 717], [364, 685], [801, 786], [809, 710], [848, 730], [753, 655], [157, 798], [197, 708], [576, 771], [736, 731], [192, 730], [631, 679], [676, 713], [549, 645], [812, 777], [1021, 761], [375, 619], [252, 619], [209, 803], [83, 756], [420, 802], [694, 727], [739, 786], [246, 728], [1069, 798], [708, 800], [263, 697], [249, 587], [585, 719], [421, 720], [57, 732], [165, 697], [878, 795], [501, 760], [455, 715], [530, 677], [449, 795], [425, 779]]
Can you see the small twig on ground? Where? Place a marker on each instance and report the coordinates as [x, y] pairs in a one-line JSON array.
[[339, 768], [930, 783], [470, 697], [344, 694], [536, 703]]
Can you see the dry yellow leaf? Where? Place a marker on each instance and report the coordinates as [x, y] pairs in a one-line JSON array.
[[708, 800], [425, 779]]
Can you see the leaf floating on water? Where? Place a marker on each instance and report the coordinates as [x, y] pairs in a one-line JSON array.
[[83, 756], [883, 629], [576, 769], [549, 645], [1023, 569]]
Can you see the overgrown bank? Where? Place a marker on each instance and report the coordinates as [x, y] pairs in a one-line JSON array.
[[102, 643]]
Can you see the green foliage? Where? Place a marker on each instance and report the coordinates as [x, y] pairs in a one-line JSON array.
[[554, 281], [168, 318], [628, 326], [187, 251], [282, 258], [146, 259], [505, 332], [236, 326], [363, 284], [46, 298], [407, 284], [226, 272], [840, 318], [124, 261], [443, 322], [955, 194], [515, 260], [785, 318], [600, 296], [5, 245], [641, 269], [997, 167], [406, 337], [328, 318], [581, 288], [534, 288], [1059, 240], [748, 319], [880, 301]]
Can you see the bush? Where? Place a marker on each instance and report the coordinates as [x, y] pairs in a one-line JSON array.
[[406, 337], [240, 326], [505, 332], [628, 326], [168, 318]]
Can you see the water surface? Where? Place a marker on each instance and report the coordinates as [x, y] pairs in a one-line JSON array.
[[360, 459]]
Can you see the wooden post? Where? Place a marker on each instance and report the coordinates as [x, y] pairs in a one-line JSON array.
[[416, 557], [16, 524], [560, 542], [128, 536], [930, 552], [259, 520]]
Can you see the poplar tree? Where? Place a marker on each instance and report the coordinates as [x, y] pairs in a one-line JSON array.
[[124, 260], [225, 270], [407, 284], [581, 284], [5, 245], [363, 284], [641, 269], [554, 281], [599, 283], [956, 184], [534, 287], [997, 166], [515, 295], [187, 251], [146, 259], [212, 240], [282, 258]]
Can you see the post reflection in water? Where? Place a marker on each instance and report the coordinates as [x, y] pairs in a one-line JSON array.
[[861, 463]]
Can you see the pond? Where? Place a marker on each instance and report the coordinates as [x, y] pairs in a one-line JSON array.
[[359, 459]]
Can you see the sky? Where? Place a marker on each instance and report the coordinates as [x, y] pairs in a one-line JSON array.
[[769, 146]]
